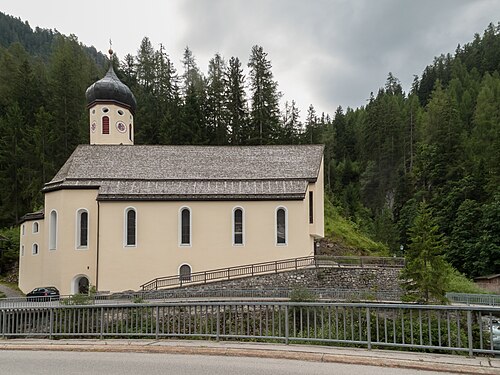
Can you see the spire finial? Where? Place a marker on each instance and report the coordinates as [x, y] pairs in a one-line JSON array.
[[110, 50]]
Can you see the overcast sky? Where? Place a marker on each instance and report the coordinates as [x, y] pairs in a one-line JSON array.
[[324, 52]]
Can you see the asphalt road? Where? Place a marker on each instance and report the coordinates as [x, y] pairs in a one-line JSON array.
[[70, 363]]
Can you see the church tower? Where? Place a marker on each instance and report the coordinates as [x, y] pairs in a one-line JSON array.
[[111, 107]]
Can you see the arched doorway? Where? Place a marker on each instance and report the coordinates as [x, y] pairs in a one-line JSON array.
[[80, 285]]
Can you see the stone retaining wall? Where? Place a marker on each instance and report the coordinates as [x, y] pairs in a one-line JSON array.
[[373, 279]]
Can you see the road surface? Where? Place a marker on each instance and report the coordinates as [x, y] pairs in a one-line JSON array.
[[72, 363]]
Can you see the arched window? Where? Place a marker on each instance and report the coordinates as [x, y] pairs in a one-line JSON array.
[[238, 226], [105, 125], [34, 249], [130, 132], [53, 230], [130, 227], [281, 230], [22, 250], [185, 272], [82, 228], [22, 229], [35, 227], [185, 226]]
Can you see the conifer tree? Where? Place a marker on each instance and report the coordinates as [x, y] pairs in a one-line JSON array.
[[237, 111], [265, 99], [216, 105], [425, 273]]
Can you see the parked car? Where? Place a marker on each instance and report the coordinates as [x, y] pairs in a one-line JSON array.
[[48, 293]]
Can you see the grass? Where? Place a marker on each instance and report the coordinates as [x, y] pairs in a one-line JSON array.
[[459, 283], [341, 230]]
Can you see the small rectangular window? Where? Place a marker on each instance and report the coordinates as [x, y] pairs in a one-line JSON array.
[[311, 208], [105, 125]]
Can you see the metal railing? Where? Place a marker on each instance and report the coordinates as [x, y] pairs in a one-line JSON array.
[[474, 299], [269, 267], [166, 295], [442, 329]]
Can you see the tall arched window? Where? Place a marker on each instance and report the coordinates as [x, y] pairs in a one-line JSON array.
[[105, 125], [35, 227], [130, 132], [281, 230], [82, 228], [130, 227], [238, 226], [34, 249], [53, 230], [185, 272], [185, 226]]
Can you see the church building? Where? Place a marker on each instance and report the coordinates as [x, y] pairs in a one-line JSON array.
[[117, 215]]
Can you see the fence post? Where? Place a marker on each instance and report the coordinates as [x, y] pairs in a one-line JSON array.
[[205, 277], [368, 329], [228, 271], [218, 323], [4, 323], [51, 323], [157, 320], [102, 323], [275, 267], [295, 264], [252, 269], [469, 332], [287, 333]]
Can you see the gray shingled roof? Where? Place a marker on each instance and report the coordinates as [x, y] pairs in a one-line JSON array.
[[191, 172]]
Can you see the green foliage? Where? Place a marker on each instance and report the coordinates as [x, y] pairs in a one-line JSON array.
[[340, 229], [425, 273], [302, 294], [459, 283], [9, 248]]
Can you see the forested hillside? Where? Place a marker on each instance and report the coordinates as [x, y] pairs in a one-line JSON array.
[[438, 143]]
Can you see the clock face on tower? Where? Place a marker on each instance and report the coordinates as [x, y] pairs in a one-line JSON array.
[[121, 127], [93, 127]]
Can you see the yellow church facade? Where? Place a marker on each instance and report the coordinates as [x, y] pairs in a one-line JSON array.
[[118, 215]]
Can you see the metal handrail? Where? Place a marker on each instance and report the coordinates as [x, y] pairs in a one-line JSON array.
[[440, 329], [276, 266]]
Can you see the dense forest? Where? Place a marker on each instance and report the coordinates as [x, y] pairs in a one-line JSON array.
[[439, 143]]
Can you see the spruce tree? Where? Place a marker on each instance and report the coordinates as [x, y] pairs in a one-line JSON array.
[[237, 110], [425, 273], [265, 99]]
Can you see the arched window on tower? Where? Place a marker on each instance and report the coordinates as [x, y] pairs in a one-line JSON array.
[[105, 125], [130, 132], [53, 230]]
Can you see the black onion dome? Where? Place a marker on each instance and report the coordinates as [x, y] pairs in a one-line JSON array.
[[110, 88]]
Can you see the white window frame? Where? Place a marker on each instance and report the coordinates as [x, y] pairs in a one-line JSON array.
[[276, 226], [125, 221], [35, 224], [33, 249], [190, 244], [242, 227], [53, 229], [78, 229]]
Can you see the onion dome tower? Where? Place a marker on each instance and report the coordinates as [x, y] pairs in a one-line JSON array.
[[111, 107]]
